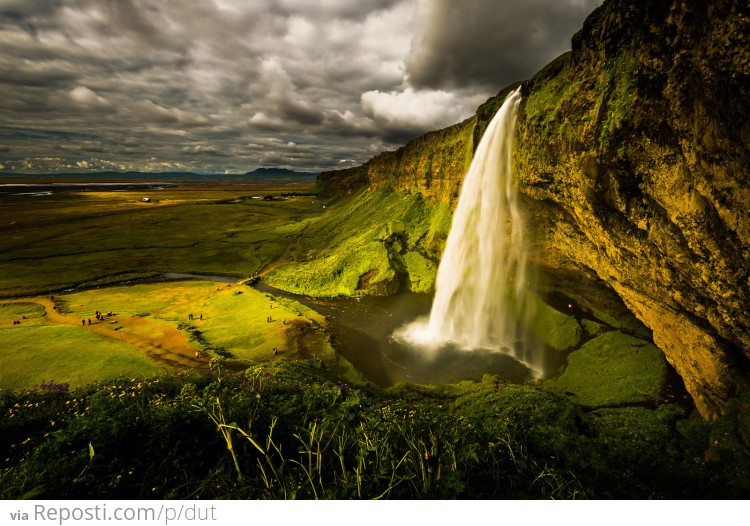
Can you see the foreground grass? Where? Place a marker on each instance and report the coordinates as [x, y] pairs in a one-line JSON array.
[[291, 430]]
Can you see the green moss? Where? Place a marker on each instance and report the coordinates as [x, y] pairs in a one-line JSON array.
[[591, 328], [614, 368], [559, 331], [421, 272], [619, 98], [367, 243]]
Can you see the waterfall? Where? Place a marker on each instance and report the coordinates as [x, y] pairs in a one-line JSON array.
[[480, 292]]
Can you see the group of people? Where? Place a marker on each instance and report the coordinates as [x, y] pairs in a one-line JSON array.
[[191, 317], [100, 316]]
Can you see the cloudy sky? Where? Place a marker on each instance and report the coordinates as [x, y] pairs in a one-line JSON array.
[[231, 85]]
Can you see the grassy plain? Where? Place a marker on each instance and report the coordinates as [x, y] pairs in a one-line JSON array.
[[34, 354], [84, 239]]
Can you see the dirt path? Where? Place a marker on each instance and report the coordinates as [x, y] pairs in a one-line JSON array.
[[162, 342]]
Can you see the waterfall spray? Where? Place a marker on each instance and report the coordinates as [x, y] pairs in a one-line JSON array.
[[480, 292]]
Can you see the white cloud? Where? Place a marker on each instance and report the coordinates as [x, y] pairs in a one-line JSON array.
[[79, 98], [263, 121], [156, 113], [411, 109]]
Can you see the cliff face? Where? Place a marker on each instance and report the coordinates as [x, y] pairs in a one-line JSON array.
[[635, 153], [632, 157], [433, 165]]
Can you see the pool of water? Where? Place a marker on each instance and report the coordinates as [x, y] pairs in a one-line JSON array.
[[362, 331]]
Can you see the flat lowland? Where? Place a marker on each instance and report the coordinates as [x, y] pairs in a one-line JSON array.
[[73, 239], [67, 256]]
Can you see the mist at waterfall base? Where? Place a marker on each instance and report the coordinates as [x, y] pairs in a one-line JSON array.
[[481, 305], [361, 330]]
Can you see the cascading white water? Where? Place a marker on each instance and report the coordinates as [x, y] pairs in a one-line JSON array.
[[480, 292]]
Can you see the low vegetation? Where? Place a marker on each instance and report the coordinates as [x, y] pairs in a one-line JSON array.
[[91, 239], [292, 430], [199, 405]]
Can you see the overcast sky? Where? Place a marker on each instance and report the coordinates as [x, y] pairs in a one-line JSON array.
[[231, 85]]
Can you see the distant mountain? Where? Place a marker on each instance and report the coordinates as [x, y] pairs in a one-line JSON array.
[[259, 175], [277, 172]]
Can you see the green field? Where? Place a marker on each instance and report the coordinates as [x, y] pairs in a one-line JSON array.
[[33, 355], [99, 239], [54, 242]]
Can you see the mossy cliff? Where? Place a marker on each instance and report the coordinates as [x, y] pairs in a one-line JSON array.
[[633, 154], [433, 165]]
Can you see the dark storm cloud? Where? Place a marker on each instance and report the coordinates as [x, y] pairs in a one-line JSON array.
[[20, 9], [465, 44], [217, 85]]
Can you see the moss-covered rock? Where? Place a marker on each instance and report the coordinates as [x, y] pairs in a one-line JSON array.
[[634, 150], [591, 328], [371, 242], [558, 330], [612, 369], [421, 272]]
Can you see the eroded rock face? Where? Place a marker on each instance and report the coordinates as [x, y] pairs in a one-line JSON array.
[[633, 158], [637, 146]]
